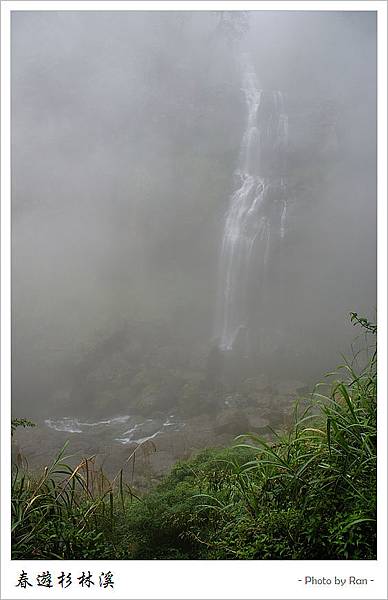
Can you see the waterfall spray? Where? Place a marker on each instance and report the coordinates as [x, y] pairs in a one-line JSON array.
[[255, 214]]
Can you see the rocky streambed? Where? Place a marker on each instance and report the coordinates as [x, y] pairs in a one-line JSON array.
[[146, 448]]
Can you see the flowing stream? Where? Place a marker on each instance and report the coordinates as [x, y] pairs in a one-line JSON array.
[[257, 213], [137, 433]]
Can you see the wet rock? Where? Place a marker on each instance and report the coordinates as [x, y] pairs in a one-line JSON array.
[[291, 388], [233, 401], [232, 421], [256, 421], [254, 385]]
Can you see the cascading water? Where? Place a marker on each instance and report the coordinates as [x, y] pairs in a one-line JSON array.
[[257, 211]]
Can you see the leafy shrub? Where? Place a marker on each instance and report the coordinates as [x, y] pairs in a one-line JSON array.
[[20, 423]]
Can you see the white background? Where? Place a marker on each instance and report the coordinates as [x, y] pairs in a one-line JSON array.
[[197, 579]]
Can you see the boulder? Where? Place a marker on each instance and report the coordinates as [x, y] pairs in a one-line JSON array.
[[290, 388], [257, 422], [232, 421]]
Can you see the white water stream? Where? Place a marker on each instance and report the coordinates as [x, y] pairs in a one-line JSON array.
[[139, 432]]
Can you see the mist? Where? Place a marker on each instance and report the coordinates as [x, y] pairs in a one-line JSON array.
[[127, 130]]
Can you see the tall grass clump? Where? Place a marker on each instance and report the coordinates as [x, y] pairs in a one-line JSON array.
[[66, 512], [311, 493]]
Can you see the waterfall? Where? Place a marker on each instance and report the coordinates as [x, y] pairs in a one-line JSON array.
[[257, 212]]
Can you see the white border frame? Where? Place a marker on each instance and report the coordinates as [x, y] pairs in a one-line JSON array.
[[198, 579]]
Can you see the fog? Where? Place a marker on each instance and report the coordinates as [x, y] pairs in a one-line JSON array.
[[127, 132]]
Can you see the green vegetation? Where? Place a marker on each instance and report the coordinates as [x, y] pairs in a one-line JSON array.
[[309, 494], [20, 423]]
